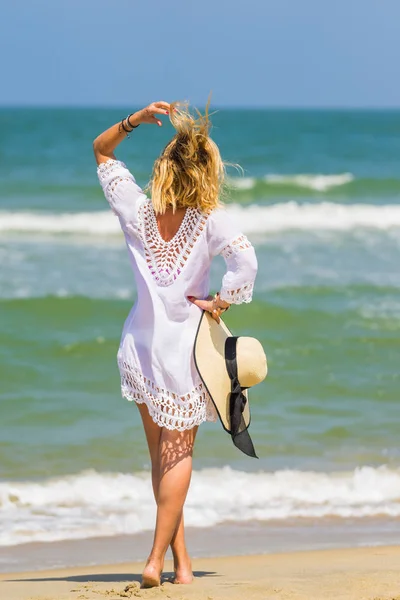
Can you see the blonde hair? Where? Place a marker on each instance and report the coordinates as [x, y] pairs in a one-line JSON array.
[[190, 171]]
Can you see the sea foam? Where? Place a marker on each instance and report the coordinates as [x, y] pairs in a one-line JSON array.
[[314, 182], [319, 183], [278, 217], [91, 504], [324, 216]]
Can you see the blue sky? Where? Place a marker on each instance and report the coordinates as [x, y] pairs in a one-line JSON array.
[[249, 53]]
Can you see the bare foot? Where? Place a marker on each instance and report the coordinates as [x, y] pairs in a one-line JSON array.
[[183, 573], [151, 576]]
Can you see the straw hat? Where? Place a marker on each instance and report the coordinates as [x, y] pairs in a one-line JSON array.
[[228, 365]]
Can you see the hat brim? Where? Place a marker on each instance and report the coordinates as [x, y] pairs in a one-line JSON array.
[[209, 357]]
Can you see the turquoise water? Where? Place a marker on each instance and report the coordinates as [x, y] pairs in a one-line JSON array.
[[319, 198]]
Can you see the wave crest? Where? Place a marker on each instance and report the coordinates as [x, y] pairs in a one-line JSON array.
[[318, 182], [324, 216], [253, 219], [92, 504]]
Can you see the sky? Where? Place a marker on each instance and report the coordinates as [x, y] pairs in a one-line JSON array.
[[255, 53]]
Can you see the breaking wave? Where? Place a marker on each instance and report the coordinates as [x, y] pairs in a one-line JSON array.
[[91, 504], [278, 217], [318, 183]]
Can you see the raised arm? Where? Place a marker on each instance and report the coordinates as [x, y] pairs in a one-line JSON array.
[[105, 144], [118, 183]]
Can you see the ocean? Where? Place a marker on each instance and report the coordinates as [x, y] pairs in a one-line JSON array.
[[319, 197]]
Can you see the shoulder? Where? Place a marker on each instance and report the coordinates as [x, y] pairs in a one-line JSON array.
[[222, 228], [225, 220], [218, 219]]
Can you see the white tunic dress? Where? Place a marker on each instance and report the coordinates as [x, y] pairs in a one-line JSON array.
[[155, 356]]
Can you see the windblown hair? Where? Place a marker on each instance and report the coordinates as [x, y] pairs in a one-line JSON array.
[[190, 171]]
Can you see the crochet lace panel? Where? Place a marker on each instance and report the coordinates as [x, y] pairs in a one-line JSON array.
[[245, 292], [166, 408], [104, 171], [242, 294], [235, 246], [166, 260]]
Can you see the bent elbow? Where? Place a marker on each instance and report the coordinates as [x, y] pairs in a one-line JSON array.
[[251, 263], [96, 146]]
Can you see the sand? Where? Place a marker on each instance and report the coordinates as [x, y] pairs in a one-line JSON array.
[[351, 574]]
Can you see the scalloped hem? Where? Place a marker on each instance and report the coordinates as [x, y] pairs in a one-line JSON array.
[[161, 419], [166, 408]]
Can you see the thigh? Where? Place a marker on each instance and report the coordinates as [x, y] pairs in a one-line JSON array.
[[175, 446], [152, 431]]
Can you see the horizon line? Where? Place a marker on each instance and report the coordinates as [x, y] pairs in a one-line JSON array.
[[271, 107]]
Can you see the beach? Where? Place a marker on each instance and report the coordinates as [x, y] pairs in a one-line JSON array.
[[319, 199], [342, 574]]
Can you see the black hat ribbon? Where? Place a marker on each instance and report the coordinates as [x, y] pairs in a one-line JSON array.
[[237, 402]]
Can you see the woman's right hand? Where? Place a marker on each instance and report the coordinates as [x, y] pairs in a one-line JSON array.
[[148, 114], [213, 305]]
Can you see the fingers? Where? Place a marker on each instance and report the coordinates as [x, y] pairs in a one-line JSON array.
[[154, 120], [162, 104], [161, 111], [203, 304], [154, 109], [148, 114], [206, 305], [216, 313], [215, 317]]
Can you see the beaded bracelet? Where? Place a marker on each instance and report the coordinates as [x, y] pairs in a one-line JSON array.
[[129, 123], [127, 131]]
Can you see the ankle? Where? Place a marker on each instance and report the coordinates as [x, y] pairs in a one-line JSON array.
[[181, 559], [183, 571], [155, 560]]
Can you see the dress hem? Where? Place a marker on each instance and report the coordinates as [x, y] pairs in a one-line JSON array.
[[166, 408], [158, 418]]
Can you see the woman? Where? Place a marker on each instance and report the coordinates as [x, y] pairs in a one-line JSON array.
[[171, 241]]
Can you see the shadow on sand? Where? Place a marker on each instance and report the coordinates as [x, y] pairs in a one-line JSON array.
[[111, 577]]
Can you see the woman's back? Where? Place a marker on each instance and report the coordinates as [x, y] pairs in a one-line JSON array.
[[198, 237], [156, 351], [169, 223]]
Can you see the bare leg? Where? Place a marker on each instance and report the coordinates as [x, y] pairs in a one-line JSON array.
[[182, 563], [176, 450]]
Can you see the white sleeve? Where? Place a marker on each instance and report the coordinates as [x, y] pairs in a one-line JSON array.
[[225, 237], [120, 189]]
